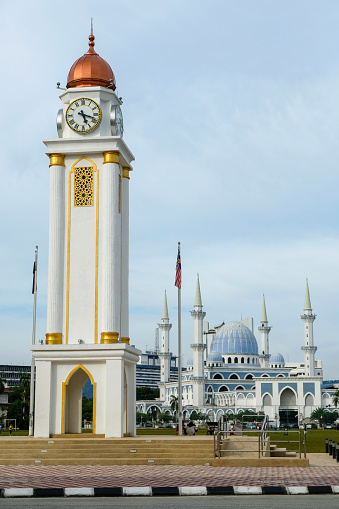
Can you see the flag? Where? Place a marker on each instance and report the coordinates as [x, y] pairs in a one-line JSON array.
[[35, 286], [178, 271]]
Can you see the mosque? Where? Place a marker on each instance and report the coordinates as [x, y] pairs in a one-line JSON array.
[[229, 373]]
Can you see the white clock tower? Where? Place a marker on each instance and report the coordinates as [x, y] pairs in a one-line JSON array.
[[87, 306]]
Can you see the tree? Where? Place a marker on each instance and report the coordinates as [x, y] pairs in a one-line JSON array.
[[174, 403], [19, 402], [2, 386], [149, 393], [87, 409], [335, 398]]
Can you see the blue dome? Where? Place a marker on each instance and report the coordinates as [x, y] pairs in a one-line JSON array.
[[235, 338], [277, 358], [214, 357]]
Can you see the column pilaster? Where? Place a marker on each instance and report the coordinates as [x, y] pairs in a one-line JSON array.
[[110, 259], [56, 257]]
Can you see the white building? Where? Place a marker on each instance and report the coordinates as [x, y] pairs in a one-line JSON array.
[[229, 372], [87, 305]]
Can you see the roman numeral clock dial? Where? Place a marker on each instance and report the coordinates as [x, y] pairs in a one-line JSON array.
[[83, 115]]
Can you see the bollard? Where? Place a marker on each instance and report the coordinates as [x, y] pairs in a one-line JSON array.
[[337, 452], [330, 447], [326, 445], [334, 450]]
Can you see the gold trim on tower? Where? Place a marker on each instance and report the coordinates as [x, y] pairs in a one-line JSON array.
[[53, 338], [125, 172], [125, 340], [111, 157], [56, 160], [95, 170], [109, 337]]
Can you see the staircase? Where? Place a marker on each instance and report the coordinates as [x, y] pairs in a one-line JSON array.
[[281, 452], [76, 450]]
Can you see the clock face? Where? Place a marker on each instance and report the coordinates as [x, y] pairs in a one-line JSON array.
[[83, 115], [117, 123]]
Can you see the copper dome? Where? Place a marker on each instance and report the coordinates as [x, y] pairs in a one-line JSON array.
[[91, 70]]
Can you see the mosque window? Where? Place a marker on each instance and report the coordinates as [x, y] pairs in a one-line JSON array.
[[236, 360], [264, 376], [84, 186], [248, 377], [223, 388], [242, 360], [252, 361], [234, 376], [229, 360], [239, 388], [248, 360], [217, 376]]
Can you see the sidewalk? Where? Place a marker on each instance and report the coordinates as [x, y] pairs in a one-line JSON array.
[[323, 471]]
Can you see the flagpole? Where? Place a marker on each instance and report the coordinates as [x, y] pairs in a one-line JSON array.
[[32, 386], [179, 352]]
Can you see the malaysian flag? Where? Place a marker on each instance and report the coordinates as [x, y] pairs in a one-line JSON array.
[[178, 270]]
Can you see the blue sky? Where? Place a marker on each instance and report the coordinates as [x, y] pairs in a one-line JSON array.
[[232, 112]]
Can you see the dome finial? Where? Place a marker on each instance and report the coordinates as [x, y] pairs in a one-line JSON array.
[[91, 39]]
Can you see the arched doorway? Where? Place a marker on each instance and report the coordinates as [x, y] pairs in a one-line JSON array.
[[288, 413], [71, 420]]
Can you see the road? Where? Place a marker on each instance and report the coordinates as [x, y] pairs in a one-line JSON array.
[[183, 502]]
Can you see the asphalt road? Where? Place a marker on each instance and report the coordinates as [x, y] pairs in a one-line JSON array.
[[183, 502]]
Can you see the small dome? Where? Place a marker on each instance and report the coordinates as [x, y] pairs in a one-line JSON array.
[[277, 358], [214, 357], [189, 362], [235, 338], [91, 70]]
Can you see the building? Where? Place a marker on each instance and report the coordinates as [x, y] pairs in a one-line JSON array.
[[230, 372], [12, 375], [88, 267], [149, 367]]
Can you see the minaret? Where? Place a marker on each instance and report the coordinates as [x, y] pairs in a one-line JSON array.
[[164, 354], [87, 334], [309, 349], [198, 348], [264, 330]]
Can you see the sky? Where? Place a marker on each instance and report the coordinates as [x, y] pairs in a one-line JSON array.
[[231, 109]]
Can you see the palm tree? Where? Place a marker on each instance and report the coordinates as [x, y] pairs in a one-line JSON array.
[[317, 414], [335, 398], [174, 403]]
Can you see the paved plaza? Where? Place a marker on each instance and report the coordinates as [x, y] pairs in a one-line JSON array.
[[323, 471]]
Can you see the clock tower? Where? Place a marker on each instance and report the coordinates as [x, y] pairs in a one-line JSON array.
[[87, 304]]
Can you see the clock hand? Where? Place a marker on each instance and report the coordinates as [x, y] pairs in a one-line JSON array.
[[89, 116], [83, 115]]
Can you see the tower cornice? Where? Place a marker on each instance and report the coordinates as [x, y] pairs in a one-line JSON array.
[[94, 145]]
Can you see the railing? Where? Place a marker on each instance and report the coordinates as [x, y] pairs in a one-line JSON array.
[[226, 429]]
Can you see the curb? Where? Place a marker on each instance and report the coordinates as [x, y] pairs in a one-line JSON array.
[[166, 491]]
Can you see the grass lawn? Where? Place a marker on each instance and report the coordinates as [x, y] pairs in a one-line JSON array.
[[315, 439], [15, 433]]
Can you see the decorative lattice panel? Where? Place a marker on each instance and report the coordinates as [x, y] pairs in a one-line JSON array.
[[84, 186]]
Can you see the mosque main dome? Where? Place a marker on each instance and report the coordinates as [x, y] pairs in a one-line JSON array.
[[91, 70], [234, 338]]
